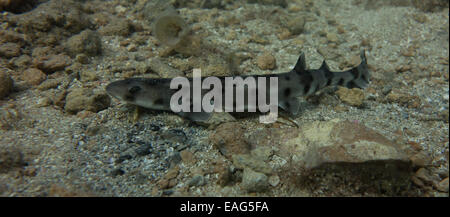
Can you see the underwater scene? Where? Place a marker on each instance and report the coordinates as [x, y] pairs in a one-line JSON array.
[[224, 98]]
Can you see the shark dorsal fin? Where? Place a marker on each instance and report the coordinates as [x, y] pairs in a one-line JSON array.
[[300, 66], [324, 66]]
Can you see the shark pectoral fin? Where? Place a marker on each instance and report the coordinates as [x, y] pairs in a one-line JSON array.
[[195, 116], [290, 105]]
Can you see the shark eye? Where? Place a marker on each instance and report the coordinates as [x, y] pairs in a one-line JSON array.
[[134, 89]]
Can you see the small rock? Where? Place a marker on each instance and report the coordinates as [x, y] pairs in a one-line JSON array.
[[88, 75], [266, 61], [296, 25], [353, 97], [93, 130], [443, 185], [175, 158], [424, 175], [254, 182], [284, 34], [9, 50], [262, 153], [404, 99], [117, 172], [33, 76], [82, 58], [173, 183], [187, 156], [49, 84], [154, 127], [10, 158], [85, 99], [197, 180], [174, 135], [229, 139], [22, 61], [341, 29], [332, 37], [132, 47], [403, 68], [164, 70], [417, 181], [123, 158], [87, 42], [217, 118], [120, 9], [6, 84], [242, 161], [43, 102], [119, 27], [274, 180], [225, 175], [172, 173], [144, 149], [163, 183], [53, 63], [167, 192], [421, 159]]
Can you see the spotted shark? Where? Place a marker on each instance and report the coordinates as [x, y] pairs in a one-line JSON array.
[[155, 93]]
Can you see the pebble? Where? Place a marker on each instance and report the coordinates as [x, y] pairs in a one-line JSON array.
[[284, 34], [175, 158], [266, 61], [22, 62], [229, 139], [225, 175], [120, 27], [6, 84], [254, 182], [85, 99], [49, 84], [117, 172], [174, 135], [296, 25], [88, 75], [53, 63], [421, 159], [172, 173], [144, 149], [187, 156], [197, 180], [10, 158], [424, 175], [82, 58], [247, 161], [274, 180], [87, 42], [9, 50], [332, 37], [353, 97], [34, 76], [123, 158], [164, 70]]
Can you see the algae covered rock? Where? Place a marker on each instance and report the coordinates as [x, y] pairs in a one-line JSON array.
[[85, 99], [87, 42], [253, 181], [353, 97]]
